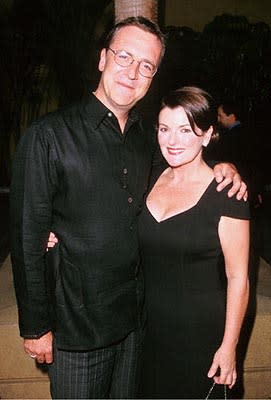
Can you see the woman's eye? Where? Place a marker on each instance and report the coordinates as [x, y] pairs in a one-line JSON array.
[[163, 130], [185, 130]]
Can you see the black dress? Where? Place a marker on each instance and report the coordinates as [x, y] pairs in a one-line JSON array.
[[185, 290]]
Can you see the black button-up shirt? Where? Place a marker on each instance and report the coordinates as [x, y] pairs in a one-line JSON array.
[[77, 175]]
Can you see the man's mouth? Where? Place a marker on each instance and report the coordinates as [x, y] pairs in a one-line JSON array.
[[125, 85]]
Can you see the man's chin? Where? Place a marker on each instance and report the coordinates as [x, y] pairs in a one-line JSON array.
[[125, 103]]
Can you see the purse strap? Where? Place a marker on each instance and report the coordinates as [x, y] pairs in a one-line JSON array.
[[211, 389]]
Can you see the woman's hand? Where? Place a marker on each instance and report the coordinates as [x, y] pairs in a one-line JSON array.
[[223, 368]]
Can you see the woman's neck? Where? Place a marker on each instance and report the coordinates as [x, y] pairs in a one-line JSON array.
[[193, 171]]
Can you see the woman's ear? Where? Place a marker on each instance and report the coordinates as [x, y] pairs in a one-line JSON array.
[[207, 136], [102, 60]]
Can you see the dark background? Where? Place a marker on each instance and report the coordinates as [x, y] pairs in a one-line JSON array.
[[49, 53]]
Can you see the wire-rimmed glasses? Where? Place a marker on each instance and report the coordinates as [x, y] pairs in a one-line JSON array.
[[124, 59]]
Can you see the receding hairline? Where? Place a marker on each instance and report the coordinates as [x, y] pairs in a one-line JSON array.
[[141, 23]]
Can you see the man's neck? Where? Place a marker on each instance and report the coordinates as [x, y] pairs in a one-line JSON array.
[[121, 114]]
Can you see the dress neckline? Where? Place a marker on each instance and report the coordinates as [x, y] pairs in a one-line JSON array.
[[208, 188]]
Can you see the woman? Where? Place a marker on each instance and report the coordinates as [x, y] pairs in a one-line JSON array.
[[195, 301]]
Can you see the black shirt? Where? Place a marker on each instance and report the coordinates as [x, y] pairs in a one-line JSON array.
[[77, 175]]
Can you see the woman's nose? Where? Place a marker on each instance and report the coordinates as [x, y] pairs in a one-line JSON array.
[[172, 138]]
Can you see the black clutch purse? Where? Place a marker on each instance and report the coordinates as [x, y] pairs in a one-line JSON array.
[[211, 389]]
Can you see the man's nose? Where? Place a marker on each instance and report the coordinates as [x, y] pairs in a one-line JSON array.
[[133, 70]]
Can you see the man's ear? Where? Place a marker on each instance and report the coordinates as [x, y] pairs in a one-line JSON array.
[[207, 136], [102, 60]]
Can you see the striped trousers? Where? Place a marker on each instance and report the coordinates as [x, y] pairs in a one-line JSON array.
[[110, 372]]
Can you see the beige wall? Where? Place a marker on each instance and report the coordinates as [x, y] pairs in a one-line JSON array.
[[197, 13]]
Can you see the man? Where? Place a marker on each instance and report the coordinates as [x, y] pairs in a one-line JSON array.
[[239, 144], [234, 139], [229, 114], [82, 173]]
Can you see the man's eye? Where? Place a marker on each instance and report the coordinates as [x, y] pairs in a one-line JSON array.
[[148, 67], [123, 56]]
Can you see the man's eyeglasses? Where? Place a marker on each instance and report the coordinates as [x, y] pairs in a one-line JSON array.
[[124, 59]]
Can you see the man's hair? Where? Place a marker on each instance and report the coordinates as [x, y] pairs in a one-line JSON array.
[[198, 105], [232, 107], [140, 22]]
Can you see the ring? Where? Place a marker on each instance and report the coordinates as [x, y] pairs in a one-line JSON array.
[[33, 356]]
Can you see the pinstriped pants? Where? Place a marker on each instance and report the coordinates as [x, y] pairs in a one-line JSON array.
[[110, 372]]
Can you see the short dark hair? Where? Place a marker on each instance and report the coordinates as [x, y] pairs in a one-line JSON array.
[[232, 107], [141, 22], [198, 105]]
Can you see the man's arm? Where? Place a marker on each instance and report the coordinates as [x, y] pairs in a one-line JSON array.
[[30, 203], [226, 173]]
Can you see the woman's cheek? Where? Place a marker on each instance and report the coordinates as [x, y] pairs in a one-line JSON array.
[[162, 139]]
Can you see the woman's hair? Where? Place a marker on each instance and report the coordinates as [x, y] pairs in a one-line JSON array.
[[140, 22], [199, 106]]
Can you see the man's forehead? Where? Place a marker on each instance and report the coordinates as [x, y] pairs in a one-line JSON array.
[[133, 38], [220, 110], [132, 33]]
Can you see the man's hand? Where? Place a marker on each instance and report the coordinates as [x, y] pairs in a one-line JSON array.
[[40, 349], [226, 173], [52, 241]]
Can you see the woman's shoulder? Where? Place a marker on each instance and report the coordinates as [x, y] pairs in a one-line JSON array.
[[229, 206]]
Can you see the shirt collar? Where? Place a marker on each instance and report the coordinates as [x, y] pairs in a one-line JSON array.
[[96, 112], [236, 123]]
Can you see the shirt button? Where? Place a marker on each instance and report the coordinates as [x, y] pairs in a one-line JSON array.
[[109, 114], [124, 186], [125, 170], [130, 200]]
